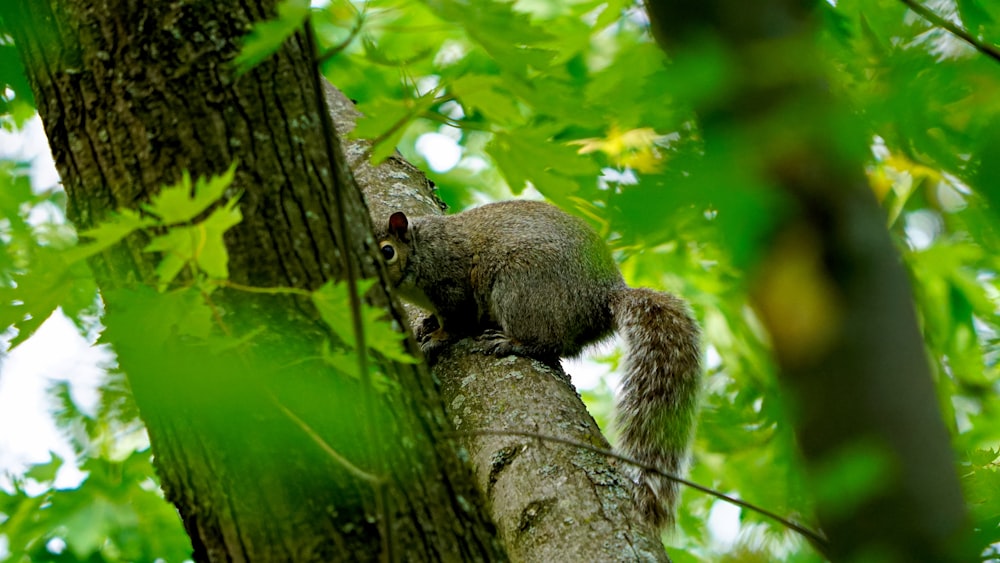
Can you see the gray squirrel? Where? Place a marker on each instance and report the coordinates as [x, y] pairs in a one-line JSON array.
[[531, 280]]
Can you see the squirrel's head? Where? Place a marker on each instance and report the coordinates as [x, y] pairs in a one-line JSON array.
[[396, 241], [395, 246]]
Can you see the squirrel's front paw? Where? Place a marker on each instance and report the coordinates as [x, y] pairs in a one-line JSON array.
[[427, 328], [432, 343]]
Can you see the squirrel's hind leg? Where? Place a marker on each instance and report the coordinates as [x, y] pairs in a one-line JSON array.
[[499, 343]]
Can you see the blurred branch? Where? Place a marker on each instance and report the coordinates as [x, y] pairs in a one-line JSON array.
[[929, 15], [855, 367]]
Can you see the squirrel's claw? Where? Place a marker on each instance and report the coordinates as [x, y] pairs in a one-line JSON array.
[[499, 343], [427, 328], [432, 347]]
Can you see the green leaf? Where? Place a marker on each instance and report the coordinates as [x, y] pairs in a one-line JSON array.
[[974, 15], [486, 95], [983, 458], [702, 74], [510, 37], [89, 526], [21, 106], [108, 233], [377, 54], [531, 155], [47, 284], [201, 245], [266, 37], [193, 316], [612, 12], [178, 246], [334, 305], [163, 314], [213, 259], [638, 73], [982, 490], [386, 120], [180, 203], [15, 191], [45, 472], [987, 177]]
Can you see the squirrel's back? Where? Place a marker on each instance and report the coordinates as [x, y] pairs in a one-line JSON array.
[[547, 288]]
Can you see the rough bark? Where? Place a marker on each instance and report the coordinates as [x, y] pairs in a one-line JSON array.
[[133, 93], [550, 501], [859, 375]]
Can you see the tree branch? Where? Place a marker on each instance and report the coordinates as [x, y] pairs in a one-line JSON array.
[[816, 539], [929, 15]]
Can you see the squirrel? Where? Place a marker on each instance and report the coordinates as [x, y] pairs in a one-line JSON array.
[[532, 280]]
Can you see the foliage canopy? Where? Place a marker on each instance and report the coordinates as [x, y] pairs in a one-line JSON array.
[[572, 99]]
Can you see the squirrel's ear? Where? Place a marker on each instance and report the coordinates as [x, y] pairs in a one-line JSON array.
[[398, 225]]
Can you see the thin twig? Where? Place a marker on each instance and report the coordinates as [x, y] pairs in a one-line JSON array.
[[371, 430], [336, 50], [401, 122], [350, 467], [815, 538], [265, 290], [936, 20]]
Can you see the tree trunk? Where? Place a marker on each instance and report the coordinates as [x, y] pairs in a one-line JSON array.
[[857, 370], [134, 93]]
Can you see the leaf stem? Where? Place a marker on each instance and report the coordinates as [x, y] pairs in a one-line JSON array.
[[350, 467], [265, 290]]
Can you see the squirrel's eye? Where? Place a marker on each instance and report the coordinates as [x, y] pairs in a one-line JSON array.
[[388, 252]]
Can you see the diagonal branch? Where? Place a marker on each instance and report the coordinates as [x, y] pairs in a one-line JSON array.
[[929, 15], [816, 539]]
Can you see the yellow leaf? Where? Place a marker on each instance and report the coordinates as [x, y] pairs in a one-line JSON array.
[[880, 183], [639, 138], [635, 148], [647, 159], [918, 171]]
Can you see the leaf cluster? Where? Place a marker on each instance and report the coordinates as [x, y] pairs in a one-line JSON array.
[[107, 517]]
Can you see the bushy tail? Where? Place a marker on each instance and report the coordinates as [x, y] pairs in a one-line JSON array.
[[659, 396]]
